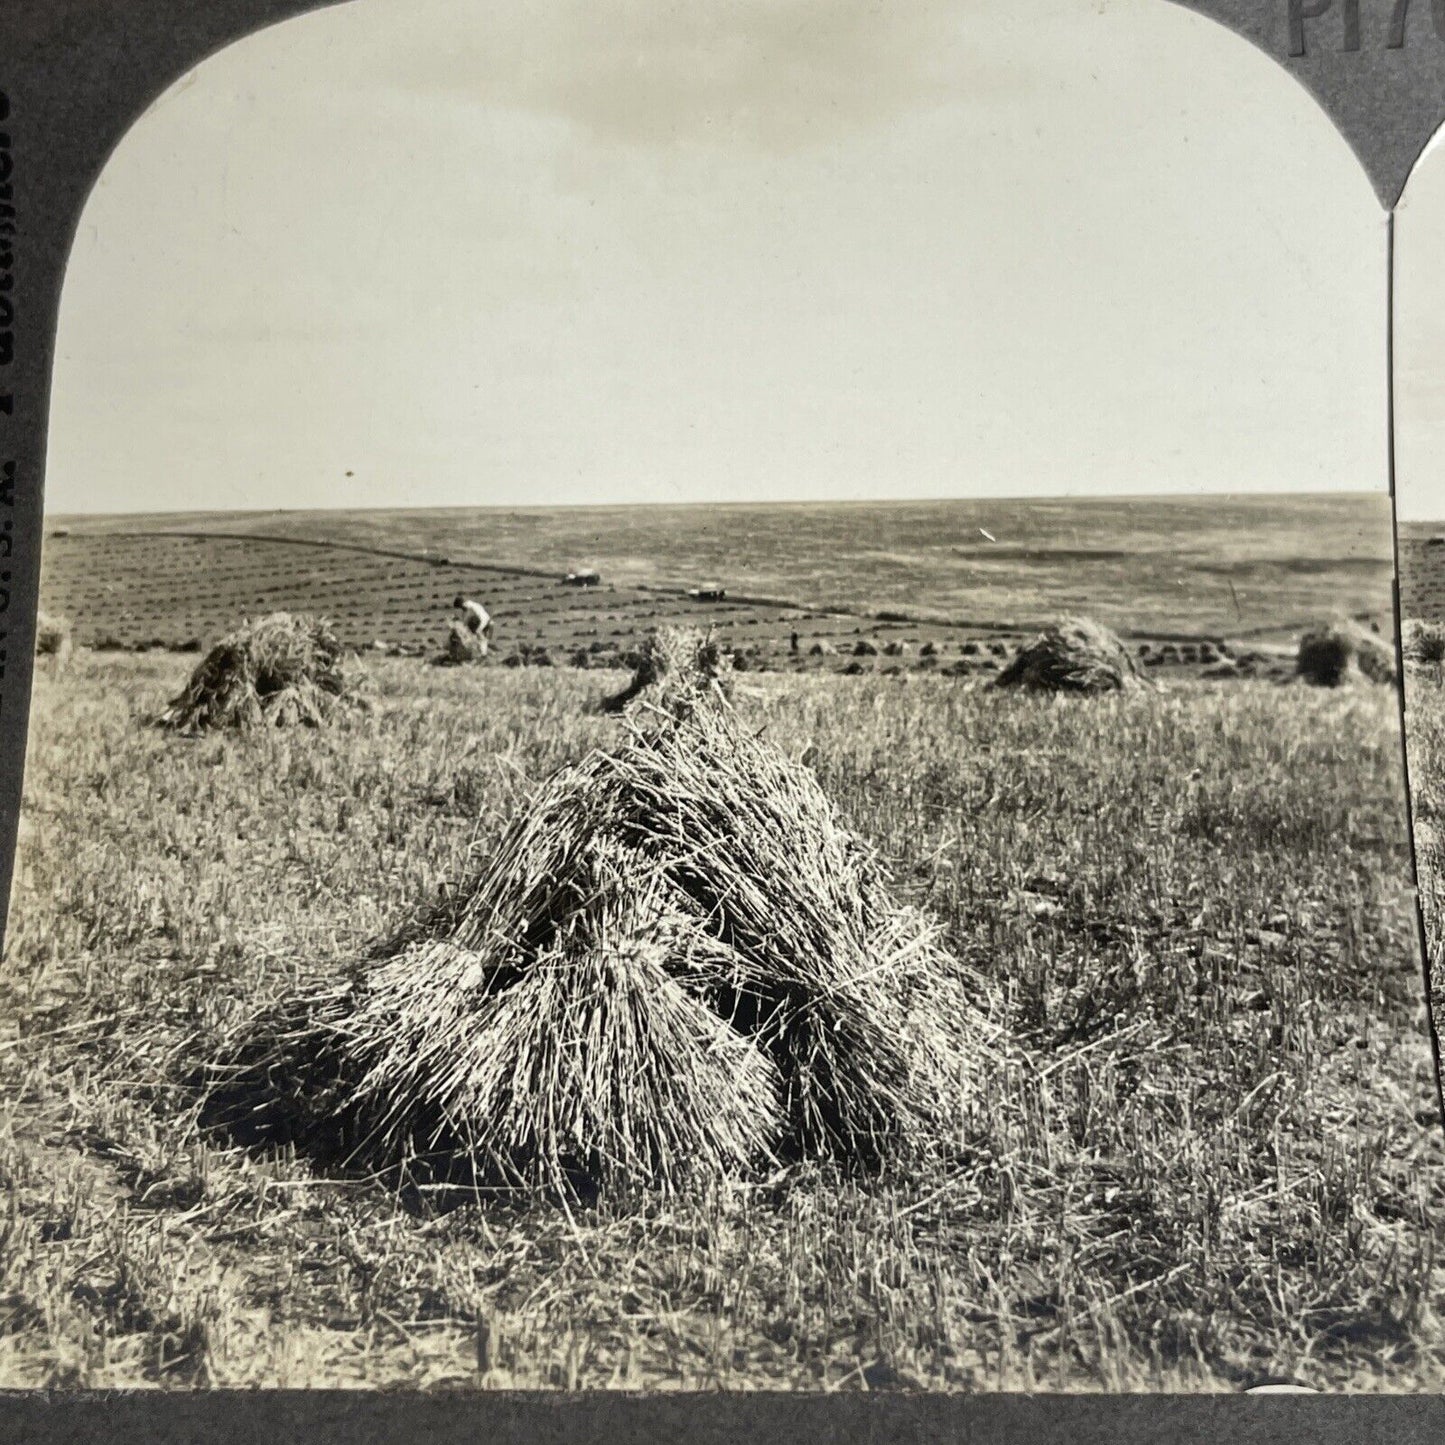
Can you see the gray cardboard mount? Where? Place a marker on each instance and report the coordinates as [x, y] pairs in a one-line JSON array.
[[1377, 67], [74, 76]]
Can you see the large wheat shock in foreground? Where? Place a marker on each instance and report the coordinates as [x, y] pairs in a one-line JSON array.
[[677, 965]]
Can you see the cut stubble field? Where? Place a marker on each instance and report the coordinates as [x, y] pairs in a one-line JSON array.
[[1422, 601], [1425, 729], [1210, 1155]]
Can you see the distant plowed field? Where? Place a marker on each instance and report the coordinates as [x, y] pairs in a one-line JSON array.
[[1422, 570], [866, 587], [1197, 565], [184, 590]]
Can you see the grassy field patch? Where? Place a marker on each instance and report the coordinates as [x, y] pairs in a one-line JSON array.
[[1209, 1156]]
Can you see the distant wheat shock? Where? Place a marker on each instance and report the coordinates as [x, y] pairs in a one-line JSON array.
[[1340, 651], [1422, 643], [1076, 654], [52, 637], [278, 671]]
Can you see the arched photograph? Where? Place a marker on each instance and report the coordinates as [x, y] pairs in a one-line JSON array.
[[717, 708]]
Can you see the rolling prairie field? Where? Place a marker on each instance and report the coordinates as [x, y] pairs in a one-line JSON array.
[[1205, 1155], [913, 573]]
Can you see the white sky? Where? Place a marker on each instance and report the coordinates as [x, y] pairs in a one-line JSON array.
[[1420, 341], [662, 250]]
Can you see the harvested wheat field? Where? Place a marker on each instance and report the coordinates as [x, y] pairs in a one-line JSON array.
[[1422, 646], [1154, 1110], [1425, 732]]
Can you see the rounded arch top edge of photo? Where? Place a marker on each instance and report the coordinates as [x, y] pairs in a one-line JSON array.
[[510, 117], [1375, 67]]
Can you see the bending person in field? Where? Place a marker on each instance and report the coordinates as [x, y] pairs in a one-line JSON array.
[[470, 632], [475, 617]]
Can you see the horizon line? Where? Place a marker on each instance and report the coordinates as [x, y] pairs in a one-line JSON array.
[[1179, 496]]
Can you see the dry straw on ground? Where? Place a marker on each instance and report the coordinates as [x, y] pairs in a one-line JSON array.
[[676, 966], [1339, 651], [1075, 654], [1422, 644], [52, 636], [278, 671]]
